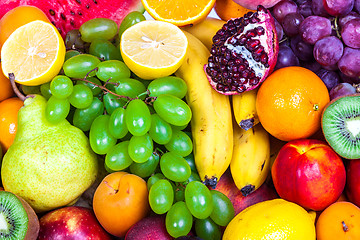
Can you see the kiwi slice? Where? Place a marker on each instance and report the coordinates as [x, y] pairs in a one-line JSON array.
[[341, 125], [17, 219]]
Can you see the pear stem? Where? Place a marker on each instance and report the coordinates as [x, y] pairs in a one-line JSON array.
[[21, 96]]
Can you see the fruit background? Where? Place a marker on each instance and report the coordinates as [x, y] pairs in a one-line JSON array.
[[207, 120]]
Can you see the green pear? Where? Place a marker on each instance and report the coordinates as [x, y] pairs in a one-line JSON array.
[[48, 165]]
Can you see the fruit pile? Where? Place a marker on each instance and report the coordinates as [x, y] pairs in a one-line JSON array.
[[184, 126]]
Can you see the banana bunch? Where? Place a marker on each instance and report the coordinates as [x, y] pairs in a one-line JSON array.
[[244, 109], [211, 123], [250, 164]]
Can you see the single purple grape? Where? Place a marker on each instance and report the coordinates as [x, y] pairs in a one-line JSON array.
[[342, 89], [349, 63], [291, 23], [299, 2], [286, 58], [344, 19], [314, 28], [279, 30], [328, 51], [330, 78], [305, 8], [338, 7], [282, 8], [350, 33], [312, 65], [302, 50], [333, 67], [357, 6], [318, 8], [351, 80]]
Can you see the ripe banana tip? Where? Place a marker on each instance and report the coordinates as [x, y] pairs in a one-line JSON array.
[[247, 190], [210, 182], [247, 123]]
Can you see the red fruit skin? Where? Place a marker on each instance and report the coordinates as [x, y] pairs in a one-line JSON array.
[[70, 14], [151, 227], [227, 186], [71, 223], [352, 188], [309, 173]]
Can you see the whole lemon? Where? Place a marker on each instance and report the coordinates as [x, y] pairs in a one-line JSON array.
[[275, 219]]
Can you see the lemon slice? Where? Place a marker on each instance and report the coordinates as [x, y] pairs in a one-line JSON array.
[[179, 12], [153, 49], [34, 52]]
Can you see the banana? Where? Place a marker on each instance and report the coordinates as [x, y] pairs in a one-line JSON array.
[[250, 164], [244, 108], [205, 30], [211, 123]]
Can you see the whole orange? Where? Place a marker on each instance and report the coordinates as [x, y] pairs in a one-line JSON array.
[[290, 101], [341, 220], [120, 201], [227, 9], [17, 17], [8, 121], [6, 90]]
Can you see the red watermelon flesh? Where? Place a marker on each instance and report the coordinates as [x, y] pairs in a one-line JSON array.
[[70, 14]]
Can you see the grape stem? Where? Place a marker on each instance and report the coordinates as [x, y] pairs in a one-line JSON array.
[[16, 90]]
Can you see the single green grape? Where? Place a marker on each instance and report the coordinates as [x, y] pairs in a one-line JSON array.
[[104, 49], [224, 210], [80, 66], [174, 167], [160, 131], [112, 70], [130, 87], [193, 177], [172, 109], [81, 96], [178, 220], [140, 148], [153, 179], [198, 199], [61, 86], [101, 140], [118, 158], [168, 85], [207, 229], [83, 118], [137, 117], [129, 20], [45, 90], [91, 84], [191, 161], [180, 143], [92, 29], [117, 125], [179, 194], [71, 53], [161, 196], [56, 109], [146, 168], [112, 102]]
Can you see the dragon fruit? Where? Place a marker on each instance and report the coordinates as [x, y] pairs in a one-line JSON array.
[[70, 14]]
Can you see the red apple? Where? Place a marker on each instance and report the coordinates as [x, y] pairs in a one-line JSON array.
[[150, 227], [71, 223], [309, 173], [352, 188], [227, 186]]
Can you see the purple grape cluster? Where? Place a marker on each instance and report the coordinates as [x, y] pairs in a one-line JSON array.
[[323, 36]]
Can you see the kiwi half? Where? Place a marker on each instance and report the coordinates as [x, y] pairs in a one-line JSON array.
[[17, 219], [341, 125]]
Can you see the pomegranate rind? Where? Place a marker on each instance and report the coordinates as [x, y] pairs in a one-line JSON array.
[[269, 42], [71, 14]]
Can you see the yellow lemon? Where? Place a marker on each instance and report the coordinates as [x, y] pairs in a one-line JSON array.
[[179, 12], [153, 49], [276, 219], [34, 53]]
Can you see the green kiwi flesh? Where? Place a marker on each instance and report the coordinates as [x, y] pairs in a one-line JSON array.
[[341, 125], [17, 219]]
